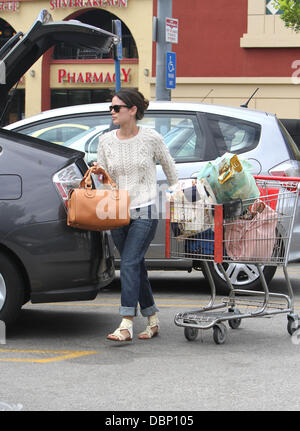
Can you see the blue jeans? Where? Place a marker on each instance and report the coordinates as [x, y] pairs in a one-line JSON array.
[[132, 242]]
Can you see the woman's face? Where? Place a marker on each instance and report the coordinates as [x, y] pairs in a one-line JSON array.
[[125, 115]]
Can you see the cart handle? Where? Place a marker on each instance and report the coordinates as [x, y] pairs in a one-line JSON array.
[[271, 177]]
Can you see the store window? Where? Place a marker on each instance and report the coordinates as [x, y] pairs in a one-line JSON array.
[[103, 20], [16, 107], [62, 97]]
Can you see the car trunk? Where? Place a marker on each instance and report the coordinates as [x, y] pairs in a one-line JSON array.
[[22, 51]]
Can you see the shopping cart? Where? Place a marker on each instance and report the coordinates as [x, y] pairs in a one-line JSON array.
[[257, 232]]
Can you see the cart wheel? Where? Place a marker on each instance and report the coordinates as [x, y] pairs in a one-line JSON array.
[[234, 323], [292, 325], [190, 333], [219, 334]]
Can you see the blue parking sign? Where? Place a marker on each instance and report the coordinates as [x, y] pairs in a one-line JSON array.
[[170, 70]]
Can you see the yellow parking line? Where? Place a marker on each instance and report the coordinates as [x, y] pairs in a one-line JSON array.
[[63, 355], [103, 298], [107, 304]]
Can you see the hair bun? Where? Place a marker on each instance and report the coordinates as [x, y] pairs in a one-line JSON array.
[[146, 104]]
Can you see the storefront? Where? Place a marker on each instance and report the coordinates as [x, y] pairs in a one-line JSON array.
[[70, 75], [225, 51]]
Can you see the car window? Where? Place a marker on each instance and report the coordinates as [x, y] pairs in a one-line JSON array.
[[87, 141], [70, 132], [52, 135], [58, 134], [93, 144], [92, 148], [232, 134], [290, 143], [68, 126], [181, 132]]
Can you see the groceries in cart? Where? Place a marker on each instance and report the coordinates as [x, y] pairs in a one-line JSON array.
[[230, 178], [260, 236], [253, 235], [191, 207], [249, 217]]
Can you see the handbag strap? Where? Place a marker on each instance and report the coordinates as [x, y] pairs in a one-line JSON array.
[[86, 181]]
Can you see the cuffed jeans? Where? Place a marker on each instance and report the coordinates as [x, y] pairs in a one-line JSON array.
[[132, 242]]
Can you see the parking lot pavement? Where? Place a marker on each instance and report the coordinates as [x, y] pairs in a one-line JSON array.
[[57, 357]]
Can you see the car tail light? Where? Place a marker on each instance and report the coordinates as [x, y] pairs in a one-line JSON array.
[[289, 168], [67, 179]]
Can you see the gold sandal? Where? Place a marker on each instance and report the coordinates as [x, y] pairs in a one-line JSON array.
[[149, 332], [126, 324]]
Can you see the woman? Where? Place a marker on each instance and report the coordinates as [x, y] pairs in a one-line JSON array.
[[129, 154]]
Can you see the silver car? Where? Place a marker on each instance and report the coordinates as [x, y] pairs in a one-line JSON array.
[[194, 133]]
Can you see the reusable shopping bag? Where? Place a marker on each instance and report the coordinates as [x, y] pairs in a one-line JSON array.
[[252, 239]]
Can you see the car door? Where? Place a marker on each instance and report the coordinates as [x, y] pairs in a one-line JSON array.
[[190, 144]]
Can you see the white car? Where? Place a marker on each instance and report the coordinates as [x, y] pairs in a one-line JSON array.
[[194, 133], [87, 142]]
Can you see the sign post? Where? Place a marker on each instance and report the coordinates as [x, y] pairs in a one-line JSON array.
[[164, 9], [165, 32], [117, 29]]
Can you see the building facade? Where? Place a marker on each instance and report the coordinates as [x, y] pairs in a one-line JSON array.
[[235, 47], [225, 51]]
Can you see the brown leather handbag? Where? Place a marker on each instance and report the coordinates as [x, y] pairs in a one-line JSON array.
[[94, 209]]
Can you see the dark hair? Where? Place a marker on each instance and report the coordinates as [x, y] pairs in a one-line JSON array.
[[132, 97]]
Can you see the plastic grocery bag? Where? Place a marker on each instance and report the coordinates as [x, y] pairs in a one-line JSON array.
[[230, 178], [191, 207]]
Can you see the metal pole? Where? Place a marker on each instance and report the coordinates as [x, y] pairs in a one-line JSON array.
[[117, 75], [164, 10], [117, 29]]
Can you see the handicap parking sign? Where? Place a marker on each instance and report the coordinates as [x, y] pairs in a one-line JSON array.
[[171, 70]]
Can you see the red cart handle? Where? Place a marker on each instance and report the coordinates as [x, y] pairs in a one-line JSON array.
[[272, 177]]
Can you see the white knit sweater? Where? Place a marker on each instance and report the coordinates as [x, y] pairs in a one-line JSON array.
[[131, 163]]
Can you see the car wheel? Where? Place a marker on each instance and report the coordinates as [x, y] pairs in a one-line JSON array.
[[242, 276], [11, 290]]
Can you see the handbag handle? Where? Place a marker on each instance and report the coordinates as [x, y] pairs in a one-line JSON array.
[[86, 181]]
